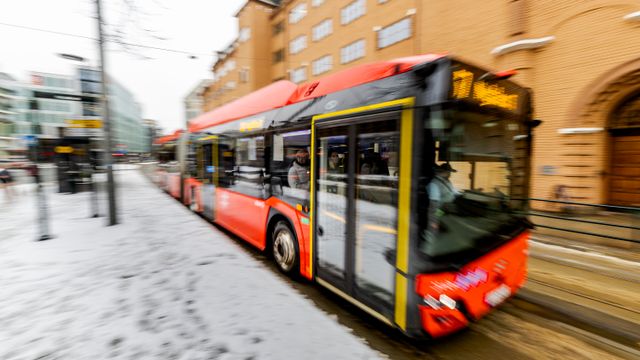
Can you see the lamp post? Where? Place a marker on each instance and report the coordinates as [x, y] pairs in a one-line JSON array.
[[108, 160]]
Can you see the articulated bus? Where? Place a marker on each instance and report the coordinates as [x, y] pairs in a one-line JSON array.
[[397, 185]]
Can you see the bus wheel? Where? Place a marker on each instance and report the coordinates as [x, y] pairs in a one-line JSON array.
[[285, 248]]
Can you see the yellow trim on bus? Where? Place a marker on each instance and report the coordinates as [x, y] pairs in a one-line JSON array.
[[210, 137], [312, 197], [400, 102], [355, 302], [215, 162], [404, 213], [401, 301]]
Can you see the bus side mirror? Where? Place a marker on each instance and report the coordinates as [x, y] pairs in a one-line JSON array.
[[534, 123]]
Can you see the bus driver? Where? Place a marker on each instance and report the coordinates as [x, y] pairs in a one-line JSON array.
[[441, 191]]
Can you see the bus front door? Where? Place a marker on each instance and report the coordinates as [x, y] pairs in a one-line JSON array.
[[356, 207]]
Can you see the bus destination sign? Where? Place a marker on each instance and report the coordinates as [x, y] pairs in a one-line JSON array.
[[466, 86]]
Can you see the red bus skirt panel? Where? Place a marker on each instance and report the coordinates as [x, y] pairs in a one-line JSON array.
[[244, 215]]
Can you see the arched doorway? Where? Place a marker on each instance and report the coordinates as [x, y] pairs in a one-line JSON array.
[[624, 172]]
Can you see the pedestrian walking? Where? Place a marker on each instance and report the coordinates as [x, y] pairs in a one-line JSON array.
[[6, 181]]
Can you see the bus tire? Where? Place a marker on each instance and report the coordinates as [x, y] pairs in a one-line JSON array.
[[284, 249]]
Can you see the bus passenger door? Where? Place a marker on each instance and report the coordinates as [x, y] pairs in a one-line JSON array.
[[356, 170], [208, 169]]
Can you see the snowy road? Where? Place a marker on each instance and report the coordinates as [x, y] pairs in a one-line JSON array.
[[162, 285]]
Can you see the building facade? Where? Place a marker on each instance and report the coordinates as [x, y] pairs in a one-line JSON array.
[[8, 96], [45, 103], [194, 101], [580, 58]]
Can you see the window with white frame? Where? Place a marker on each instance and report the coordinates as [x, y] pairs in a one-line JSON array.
[[353, 11], [298, 75], [322, 65], [298, 44], [297, 13], [316, 3], [244, 75], [245, 34], [322, 30], [352, 52], [394, 33]]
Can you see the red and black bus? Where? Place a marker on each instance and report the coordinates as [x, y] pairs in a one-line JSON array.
[[396, 184]]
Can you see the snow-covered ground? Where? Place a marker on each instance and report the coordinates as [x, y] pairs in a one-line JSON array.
[[164, 284]]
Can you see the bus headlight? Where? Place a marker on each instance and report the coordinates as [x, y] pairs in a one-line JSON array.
[[447, 301], [442, 301]]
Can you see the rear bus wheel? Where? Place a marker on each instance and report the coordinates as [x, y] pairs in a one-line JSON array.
[[285, 249]]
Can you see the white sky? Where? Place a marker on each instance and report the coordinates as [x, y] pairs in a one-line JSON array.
[[159, 83]]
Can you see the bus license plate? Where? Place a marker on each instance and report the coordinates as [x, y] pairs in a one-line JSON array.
[[497, 295]]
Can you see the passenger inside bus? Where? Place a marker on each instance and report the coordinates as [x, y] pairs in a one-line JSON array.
[[373, 164], [298, 176], [335, 165]]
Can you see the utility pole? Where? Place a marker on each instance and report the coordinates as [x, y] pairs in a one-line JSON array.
[[108, 160]]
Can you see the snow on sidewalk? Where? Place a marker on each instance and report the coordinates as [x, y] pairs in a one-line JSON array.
[[162, 285]]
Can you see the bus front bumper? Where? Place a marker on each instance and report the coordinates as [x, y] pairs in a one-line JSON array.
[[450, 300]]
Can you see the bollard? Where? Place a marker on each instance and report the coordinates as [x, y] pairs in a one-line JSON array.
[[43, 213], [95, 212]]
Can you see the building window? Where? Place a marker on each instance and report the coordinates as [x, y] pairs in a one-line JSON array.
[[245, 34], [278, 56], [316, 3], [353, 11], [322, 65], [297, 13], [394, 33], [322, 30], [244, 75], [278, 28], [299, 75], [352, 51], [517, 17], [298, 44], [230, 85]]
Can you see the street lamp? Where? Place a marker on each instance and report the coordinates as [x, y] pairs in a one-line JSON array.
[[72, 57]]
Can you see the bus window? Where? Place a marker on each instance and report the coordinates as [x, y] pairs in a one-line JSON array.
[[226, 159], [470, 175], [290, 165], [205, 163], [249, 167]]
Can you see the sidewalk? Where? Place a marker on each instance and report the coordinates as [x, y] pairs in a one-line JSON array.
[[163, 284]]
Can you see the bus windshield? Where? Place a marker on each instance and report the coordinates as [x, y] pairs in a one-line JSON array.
[[475, 175]]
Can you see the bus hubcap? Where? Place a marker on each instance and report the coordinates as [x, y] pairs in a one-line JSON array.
[[284, 250]]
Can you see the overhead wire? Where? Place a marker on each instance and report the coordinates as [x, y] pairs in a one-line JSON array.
[[177, 51], [95, 39]]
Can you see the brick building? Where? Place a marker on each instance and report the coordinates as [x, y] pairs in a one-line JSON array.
[[580, 57]]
